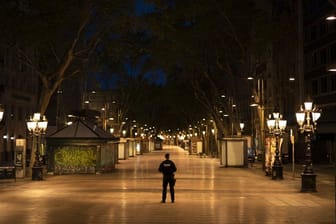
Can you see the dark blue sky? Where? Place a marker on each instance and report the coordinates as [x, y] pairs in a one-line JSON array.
[[142, 7], [108, 80]]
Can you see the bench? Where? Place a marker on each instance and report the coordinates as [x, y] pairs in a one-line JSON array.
[[8, 172]]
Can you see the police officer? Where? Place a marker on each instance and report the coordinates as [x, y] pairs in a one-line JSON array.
[[167, 168]]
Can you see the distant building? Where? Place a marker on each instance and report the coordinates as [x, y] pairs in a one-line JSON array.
[[18, 94], [105, 103], [302, 52], [65, 101]]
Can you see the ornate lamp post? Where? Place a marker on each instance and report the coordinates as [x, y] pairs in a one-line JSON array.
[[37, 125], [306, 118], [276, 126]]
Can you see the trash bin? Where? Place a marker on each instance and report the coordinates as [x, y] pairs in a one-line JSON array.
[[37, 173]]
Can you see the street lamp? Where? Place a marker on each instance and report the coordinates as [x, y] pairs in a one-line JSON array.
[[259, 103], [37, 125], [306, 118], [276, 126], [241, 125], [2, 111]]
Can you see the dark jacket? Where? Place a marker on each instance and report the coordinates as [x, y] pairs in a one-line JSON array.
[[167, 167]]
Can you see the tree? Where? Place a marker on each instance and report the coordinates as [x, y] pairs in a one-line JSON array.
[[56, 40], [214, 43]]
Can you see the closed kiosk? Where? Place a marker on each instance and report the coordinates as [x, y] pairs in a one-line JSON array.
[[233, 152]]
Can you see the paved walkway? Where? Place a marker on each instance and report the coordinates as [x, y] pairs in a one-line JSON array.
[[205, 193]]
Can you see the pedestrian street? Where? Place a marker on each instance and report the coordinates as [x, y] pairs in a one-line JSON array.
[[204, 193]]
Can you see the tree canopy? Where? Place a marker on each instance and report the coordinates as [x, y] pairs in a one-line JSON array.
[[57, 40], [202, 47], [213, 45]]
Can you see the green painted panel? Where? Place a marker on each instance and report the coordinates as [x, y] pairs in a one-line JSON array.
[[75, 159]]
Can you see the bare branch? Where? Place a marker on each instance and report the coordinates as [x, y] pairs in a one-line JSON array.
[[89, 50], [74, 73], [24, 58], [233, 33], [70, 53], [53, 50]]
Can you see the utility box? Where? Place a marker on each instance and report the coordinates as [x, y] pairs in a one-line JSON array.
[[158, 144], [122, 149], [20, 158], [196, 146], [233, 152]]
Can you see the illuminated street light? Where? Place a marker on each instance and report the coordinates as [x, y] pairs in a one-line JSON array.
[[241, 125], [2, 111], [111, 130], [306, 118], [331, 68], [276, 126], [37, 126], [331, 18]]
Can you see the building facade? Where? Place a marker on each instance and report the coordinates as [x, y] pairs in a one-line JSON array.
[[18, 95], [106, 104], [320, 83]]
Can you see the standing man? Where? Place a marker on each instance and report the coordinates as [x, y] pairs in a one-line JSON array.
[[167, 168]]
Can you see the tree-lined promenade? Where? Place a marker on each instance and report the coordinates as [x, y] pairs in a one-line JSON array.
[[205, 193], [178, 66]]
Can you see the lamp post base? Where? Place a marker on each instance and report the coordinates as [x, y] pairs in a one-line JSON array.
[[37, 173], [277, 173], [308, 182]]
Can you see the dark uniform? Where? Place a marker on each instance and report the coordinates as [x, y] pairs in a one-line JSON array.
[[167, 168]]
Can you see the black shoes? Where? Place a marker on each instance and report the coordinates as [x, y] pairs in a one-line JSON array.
[[165, 201]]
